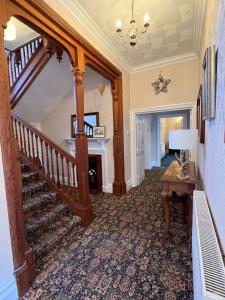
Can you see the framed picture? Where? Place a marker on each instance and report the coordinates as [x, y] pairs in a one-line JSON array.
[[99, 131], [200, 121], [209, 84]]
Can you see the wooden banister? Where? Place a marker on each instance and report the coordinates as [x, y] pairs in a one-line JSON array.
[[51, 162], [19, 57]]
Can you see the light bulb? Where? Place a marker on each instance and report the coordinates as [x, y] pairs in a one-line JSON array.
[[146, 18], [118, 24], [10, 32]]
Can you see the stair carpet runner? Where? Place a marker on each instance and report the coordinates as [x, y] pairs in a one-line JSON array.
[[47, 219]]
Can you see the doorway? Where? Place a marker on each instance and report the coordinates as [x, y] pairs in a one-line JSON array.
[[147, 148]]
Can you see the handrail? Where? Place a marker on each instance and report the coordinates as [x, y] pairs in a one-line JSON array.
[[51, 161], [20, 57], [25, 44]]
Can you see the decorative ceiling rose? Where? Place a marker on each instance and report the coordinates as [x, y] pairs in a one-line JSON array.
[[160, 85], [132, 32], [101, 87]]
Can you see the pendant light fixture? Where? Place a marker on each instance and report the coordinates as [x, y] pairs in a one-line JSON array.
[[10, 32], [133, 30]]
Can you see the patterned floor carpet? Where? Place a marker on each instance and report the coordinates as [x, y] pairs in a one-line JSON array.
[[120, 256]]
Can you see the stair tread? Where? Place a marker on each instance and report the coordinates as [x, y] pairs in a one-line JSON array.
[[56, 232], [28, 174], [36, 220], [34, 186], [38, 200]]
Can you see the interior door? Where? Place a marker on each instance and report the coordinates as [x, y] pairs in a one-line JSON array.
[[140, 151]]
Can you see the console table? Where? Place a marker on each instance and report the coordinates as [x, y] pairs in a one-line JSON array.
[[170, 183]]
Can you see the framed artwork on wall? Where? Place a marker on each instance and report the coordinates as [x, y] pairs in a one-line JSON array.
[[209, 84], [200, 121], [99, 132]]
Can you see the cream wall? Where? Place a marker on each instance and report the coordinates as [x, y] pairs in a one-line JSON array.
[[58, 126], [212, 153], [182, 89]]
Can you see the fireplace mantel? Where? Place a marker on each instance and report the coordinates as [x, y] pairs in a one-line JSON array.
[[96, 146], [91, 141]]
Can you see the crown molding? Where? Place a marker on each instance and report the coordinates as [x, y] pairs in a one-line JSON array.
[[165, 62], [199, 17], [90, 26]]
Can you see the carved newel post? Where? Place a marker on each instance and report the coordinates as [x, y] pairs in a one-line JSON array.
[[83, 206]]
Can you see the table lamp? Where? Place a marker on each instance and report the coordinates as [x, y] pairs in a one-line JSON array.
[[183, 139]]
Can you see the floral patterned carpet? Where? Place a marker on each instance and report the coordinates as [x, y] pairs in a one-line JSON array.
[[121, 256]]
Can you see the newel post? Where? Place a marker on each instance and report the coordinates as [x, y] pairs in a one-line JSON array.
[[119, 185], [83, 207], [23, 259]]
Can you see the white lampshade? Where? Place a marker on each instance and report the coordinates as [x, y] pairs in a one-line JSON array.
[[183, 139]]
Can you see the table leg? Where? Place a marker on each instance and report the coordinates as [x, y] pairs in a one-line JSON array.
[[166, 212], [190, 214]]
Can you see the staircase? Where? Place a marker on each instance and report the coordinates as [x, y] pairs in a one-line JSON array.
[[48, 219]]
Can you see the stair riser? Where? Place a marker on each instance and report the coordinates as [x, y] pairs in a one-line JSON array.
[[44, 201], [32, 190], [30, 178], [37, 229]]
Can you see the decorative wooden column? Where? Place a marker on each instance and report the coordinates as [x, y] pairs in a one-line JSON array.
[[83, 206], [119, 185], [24, 266]]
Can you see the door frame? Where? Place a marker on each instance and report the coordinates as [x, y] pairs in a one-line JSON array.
[[155, 109], [158, 134]]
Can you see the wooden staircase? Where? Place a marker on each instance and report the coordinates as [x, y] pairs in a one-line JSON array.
[[51, 162], [26, 62], [52, 206]]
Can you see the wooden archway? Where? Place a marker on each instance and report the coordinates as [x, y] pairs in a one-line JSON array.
[[38, 15]]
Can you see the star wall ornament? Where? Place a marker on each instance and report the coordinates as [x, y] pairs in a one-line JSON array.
[[160, 85]]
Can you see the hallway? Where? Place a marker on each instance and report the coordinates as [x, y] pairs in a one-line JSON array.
[[120, 255]]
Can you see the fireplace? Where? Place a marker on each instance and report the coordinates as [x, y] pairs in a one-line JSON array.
[[95, 173]]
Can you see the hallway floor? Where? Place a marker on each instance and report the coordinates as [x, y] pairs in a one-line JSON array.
[[120, 256]]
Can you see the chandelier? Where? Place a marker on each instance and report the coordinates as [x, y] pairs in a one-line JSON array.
[[133, 30]]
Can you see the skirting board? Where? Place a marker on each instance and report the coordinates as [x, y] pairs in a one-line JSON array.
[[108, 188], [9, 291]]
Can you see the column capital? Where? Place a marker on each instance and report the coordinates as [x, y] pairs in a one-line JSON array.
[[79, 76]]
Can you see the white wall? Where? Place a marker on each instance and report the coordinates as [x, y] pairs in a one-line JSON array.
[[212, 153], [8, 289]]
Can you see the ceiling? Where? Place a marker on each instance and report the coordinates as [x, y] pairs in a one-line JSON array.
[[172, 31], [23, 34]]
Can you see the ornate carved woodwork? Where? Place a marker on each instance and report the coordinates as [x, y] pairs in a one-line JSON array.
[[39, 16]]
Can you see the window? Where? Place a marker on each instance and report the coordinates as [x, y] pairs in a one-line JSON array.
[[90, 120]]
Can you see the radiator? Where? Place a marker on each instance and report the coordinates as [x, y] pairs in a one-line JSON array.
[[208, 266]]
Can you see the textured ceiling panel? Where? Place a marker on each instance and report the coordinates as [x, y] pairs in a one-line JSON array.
[[170, 33]]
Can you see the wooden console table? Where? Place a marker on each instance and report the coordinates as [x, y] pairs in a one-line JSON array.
[[170, 183]]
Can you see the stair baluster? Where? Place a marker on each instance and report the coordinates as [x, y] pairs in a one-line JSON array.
[[50, 161]]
